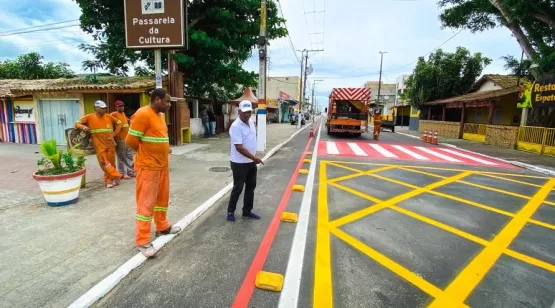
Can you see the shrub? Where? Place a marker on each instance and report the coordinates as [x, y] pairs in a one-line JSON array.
[[56, 161]]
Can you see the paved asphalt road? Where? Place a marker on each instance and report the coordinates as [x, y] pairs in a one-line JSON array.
[[391, 225]]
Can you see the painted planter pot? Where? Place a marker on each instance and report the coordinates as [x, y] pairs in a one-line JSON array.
[[60, 190]]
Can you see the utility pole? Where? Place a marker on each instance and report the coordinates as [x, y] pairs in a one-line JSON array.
[[261, 112], [306, 73], [313, 103], [380, 81]]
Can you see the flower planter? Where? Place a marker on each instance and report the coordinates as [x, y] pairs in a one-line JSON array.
[[60, 190]]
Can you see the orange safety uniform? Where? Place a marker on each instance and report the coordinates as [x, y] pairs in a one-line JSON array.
[[102, 132], [148, 135], [125, 124], [377, 126]]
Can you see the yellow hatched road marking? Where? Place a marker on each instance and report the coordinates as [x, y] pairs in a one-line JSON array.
[[509, 180], [397, 199], [323, 291], [358, 174], [356, 193], [388, 263], [459, 289], [444, 169], [475, 204]]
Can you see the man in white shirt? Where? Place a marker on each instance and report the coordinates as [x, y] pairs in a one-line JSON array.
[[243, 161]]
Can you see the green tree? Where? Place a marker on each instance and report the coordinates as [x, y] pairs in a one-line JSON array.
[[532, 23], [222, 35], [444, 75], [30, 66]]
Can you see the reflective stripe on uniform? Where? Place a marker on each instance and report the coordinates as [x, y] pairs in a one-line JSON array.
[[125, 125], [155, 139], [143, 218], [119, 121], [160, 209], [101, 130], [135, 133]]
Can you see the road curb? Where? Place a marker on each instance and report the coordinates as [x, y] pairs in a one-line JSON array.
[[515, 163], [108, 283]]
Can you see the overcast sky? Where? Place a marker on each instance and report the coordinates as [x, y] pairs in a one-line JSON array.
[[351, 33]]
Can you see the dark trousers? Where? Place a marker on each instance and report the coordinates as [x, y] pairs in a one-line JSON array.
[[243, 175]]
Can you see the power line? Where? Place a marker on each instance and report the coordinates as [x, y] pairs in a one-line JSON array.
[[288, 36], [39, 26], [395, 69]]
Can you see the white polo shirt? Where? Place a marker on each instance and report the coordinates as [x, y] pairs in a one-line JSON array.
[[241, 133]]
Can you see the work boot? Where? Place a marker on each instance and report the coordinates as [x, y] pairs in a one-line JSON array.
[[148, 250], [170, 230]]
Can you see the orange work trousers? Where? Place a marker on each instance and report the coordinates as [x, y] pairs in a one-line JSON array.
[[109, 155], [153, 196], [377, 129]]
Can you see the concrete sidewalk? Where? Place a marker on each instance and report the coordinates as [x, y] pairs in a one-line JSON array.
[[541, 161], [51, 256]]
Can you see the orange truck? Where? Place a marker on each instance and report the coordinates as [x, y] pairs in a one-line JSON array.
[[348, 111]]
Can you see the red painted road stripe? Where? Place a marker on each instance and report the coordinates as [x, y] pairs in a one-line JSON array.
[[247, 288]]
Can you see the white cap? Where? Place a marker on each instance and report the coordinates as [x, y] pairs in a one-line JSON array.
[[245, 106], [100, 104]]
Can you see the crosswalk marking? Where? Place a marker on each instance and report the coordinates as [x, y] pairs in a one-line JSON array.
[[414, 152], [434, 153], [482, 161], [409, 152], [356, 149], [332, 148], [383, 151]]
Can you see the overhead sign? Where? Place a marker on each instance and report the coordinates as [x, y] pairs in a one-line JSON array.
[[155, 24]]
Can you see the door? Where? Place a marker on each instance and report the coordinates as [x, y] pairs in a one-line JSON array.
[[56, 116]]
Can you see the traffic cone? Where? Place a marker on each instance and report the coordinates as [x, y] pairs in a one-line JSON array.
[[425, 136], [311, 131], [434, 139]]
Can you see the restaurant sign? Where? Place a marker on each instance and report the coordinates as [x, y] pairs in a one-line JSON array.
[[538, 94]]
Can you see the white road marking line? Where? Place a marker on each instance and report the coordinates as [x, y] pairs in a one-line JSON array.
[[289, 297], [436, 154], [331, 148], [485, 162], [409, 152], [356, 149], [382, 151]]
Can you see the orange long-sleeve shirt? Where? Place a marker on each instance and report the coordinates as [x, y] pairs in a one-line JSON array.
[[101, 129], [148, 135], [125, 124]]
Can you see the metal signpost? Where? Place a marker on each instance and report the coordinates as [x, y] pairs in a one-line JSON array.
[[155, 24]]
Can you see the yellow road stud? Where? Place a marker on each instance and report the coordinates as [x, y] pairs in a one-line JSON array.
[[298, 188], [269, 281], [303, 171], [307, 160], [289, 217], [308, 153]]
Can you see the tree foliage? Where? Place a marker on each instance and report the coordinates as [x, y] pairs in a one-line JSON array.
[[30, 66], [444, 75], [222, 35], [532, 22]]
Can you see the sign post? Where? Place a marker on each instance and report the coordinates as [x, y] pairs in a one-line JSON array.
[[155, 24]]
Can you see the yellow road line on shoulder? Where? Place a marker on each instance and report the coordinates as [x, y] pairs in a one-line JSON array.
[[323, 290], [388, 263], [397, 199], [460, 288]]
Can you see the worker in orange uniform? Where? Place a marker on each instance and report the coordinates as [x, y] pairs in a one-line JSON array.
[[148, 135], [101, 127], [123, 152], [377, 124]]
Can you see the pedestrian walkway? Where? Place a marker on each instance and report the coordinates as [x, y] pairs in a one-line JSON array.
[[52, 256], [406, 152]]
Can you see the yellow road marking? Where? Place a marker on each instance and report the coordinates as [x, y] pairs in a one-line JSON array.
[[509, 180], [459, 289], [388, 263], [478, 205], [360, 173], [446, 169], [356, 193], [323, 291], [397, 199], [344, 167], [458, 232], [475, 185]]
